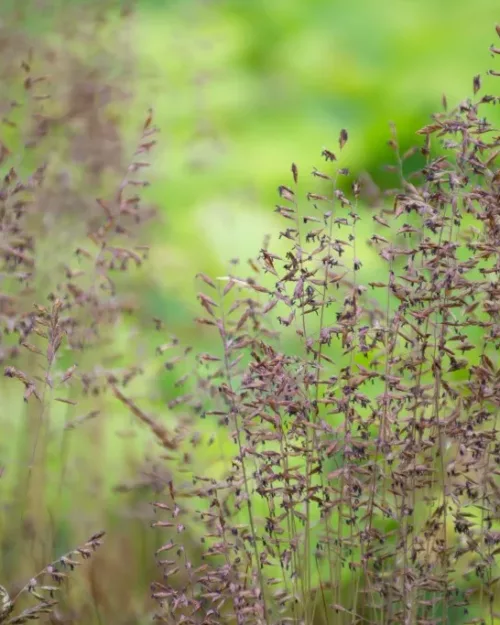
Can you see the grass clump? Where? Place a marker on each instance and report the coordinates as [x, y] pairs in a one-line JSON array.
[[71, 222], [362, 405]]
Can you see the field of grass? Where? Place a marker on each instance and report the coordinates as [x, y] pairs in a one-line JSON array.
[[239, 91]]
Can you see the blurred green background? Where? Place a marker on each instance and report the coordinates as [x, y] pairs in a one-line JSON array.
[[240, 90], [243, 89]]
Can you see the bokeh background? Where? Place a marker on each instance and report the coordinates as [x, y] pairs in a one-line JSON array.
[[240, 90]]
